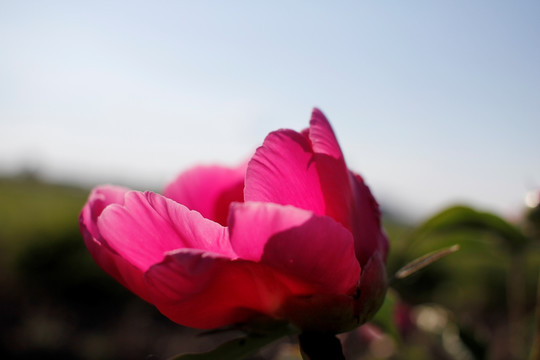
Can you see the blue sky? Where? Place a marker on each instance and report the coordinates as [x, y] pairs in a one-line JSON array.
[[434, 102]]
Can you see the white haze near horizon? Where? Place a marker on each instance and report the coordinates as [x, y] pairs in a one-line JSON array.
[[433, 102]]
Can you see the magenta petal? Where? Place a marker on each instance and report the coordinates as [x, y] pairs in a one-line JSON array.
[[205, 290], [148, 225], [347, 198], [209, 190], [282, 171], [332, 170], [98, 200], [117, 267], [305, 170], [316, 249], [372, 288], [366, 219], [322, 136]]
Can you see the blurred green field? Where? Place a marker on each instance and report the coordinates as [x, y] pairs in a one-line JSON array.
[[30, 206], [56, 303]]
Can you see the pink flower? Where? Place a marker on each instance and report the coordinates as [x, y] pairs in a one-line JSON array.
[[293, 235]]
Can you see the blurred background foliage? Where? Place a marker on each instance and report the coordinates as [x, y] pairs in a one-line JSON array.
[[55, 303]]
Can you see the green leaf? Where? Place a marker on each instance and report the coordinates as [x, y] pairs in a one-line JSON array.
[[238, 348], [465, 218], [384, 318], [424, 261]]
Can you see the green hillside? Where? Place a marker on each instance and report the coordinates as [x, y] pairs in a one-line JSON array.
[[30, 208]]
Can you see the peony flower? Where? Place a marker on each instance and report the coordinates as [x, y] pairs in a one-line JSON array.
[[292, 235]]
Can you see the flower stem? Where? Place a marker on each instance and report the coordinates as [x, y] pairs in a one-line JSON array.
[[320, 346]]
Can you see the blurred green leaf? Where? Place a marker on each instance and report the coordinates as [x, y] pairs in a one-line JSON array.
[[240, 348], [465, 218], [424, 261], [385, 319]]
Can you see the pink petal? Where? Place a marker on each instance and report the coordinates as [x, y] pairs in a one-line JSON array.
[[282, 171], [148, 225], [205, 290], [347, 198], [209, 190], [331, 169], [98, 200], [305, 170], [120, 269], [372, 288], [117, 267], [322, 136], [308, 171], [366, 220], [314, 249]]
